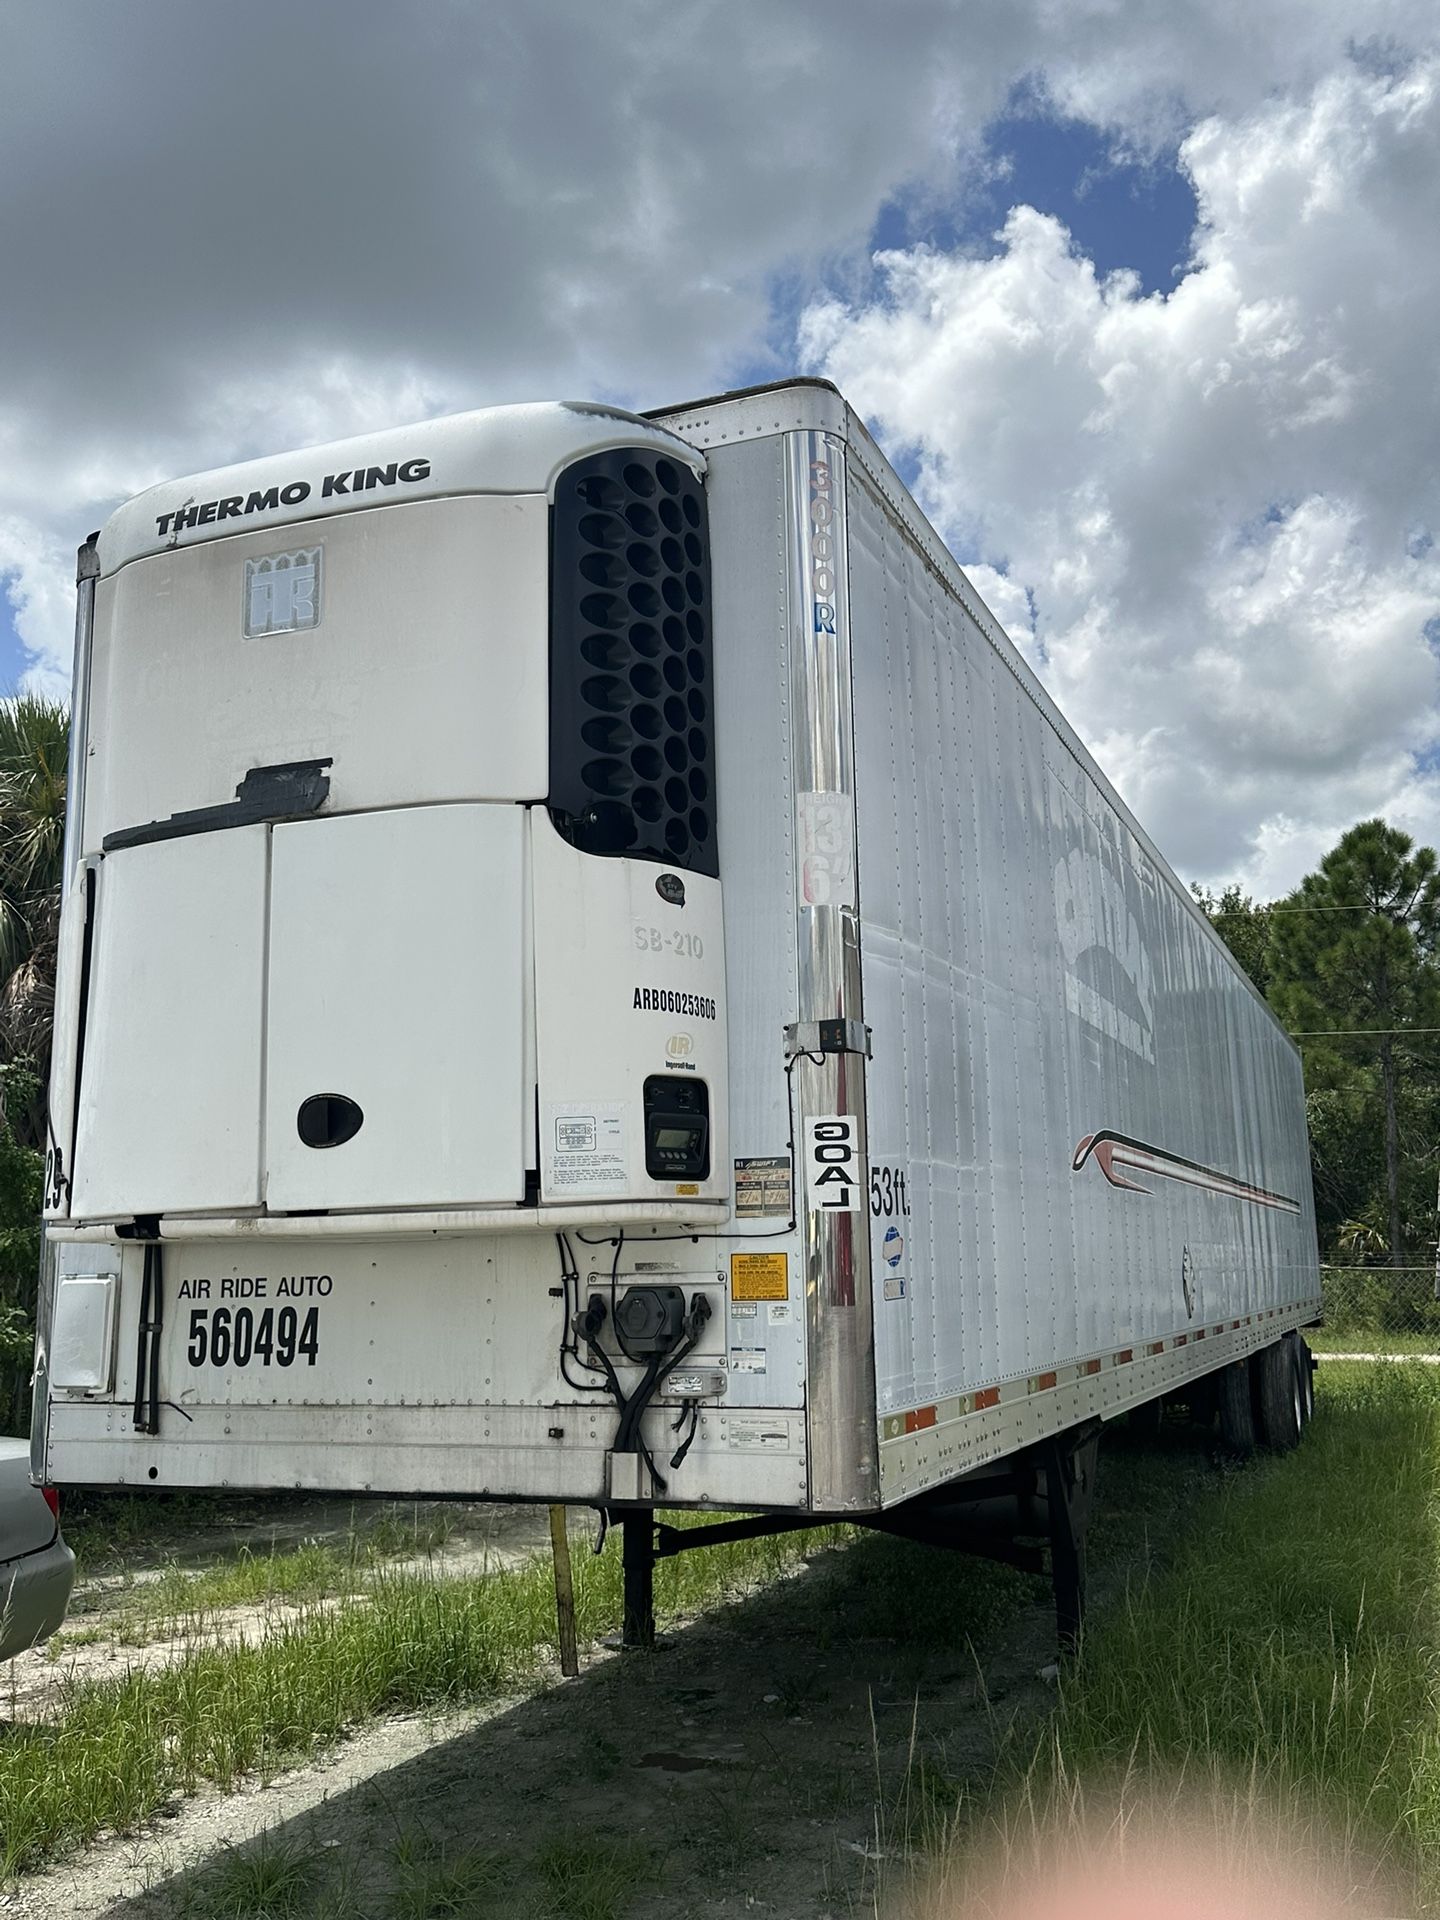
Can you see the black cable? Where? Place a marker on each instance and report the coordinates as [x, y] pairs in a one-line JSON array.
[[147, 1351], [614, 1275], [142, 1345], [624, 1404], [677, 1459], [157, 1321], [568, 1348]]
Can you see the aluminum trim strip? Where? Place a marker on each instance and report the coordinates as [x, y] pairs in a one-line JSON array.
[[835, 1256], [924, 1447]]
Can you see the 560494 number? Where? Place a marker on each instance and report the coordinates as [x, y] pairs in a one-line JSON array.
[[252, 1336]]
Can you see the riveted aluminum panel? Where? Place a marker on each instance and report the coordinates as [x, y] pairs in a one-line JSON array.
[[1034, 979], [400, 1365]]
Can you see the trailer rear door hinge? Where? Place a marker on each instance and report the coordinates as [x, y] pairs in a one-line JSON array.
[[827, 1036]]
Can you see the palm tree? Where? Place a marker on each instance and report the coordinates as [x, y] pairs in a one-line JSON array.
[[34, 746]]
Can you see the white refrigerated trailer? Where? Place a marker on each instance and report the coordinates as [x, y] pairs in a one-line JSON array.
[[593, 971]]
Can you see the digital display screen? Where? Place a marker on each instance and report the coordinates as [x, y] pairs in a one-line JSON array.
[[676, 1136]]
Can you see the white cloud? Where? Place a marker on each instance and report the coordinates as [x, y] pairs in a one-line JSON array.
[[286, 224], [37, 579], [1217, 502]]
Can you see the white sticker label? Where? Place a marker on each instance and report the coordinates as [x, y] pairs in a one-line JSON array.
[[825, 826], [587, 1149], [747, 1359], [832, 1162], [781, 1313], [758, 1430]]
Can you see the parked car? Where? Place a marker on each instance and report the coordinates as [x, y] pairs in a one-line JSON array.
[[37, 1569]]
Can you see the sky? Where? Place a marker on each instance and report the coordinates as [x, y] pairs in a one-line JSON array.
[[1141, 300]]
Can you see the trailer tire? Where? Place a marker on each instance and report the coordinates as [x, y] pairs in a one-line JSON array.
[[1235, 1408], [1305, 1373], [1277, 1396]]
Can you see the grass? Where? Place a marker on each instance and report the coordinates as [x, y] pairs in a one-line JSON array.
[[1272, 1664], [272, 1880], [1283, 1667], [1368, 1340], [179, 1601], [123, 1748], [593, 1876], [433, 1882]]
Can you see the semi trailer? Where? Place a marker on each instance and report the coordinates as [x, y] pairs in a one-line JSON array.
[[592, 971]]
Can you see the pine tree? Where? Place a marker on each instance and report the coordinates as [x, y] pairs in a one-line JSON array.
[[1360, 957]]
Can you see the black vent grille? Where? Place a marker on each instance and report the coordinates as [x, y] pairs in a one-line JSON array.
[[632, 759]]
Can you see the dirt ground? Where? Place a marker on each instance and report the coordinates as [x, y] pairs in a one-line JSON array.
[[478, 1537], [782, 1754]]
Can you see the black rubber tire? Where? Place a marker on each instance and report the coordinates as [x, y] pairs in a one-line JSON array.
[[1236, 1409], [1305, 1373], [1277, 1396]]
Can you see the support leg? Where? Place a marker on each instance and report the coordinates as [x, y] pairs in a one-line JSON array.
[[564, 1594], [1069, 1462], [637, 1541]]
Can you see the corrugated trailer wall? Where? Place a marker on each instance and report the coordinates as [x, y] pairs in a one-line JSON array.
[[1035, 981]]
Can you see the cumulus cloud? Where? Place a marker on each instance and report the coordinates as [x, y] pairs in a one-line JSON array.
[[231, 229], [1211, 509]]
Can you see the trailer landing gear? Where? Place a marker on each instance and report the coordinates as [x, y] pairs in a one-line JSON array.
[[637, 1565], [1030, 1512]]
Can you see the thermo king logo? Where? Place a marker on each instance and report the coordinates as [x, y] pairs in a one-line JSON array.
[[282, 593]]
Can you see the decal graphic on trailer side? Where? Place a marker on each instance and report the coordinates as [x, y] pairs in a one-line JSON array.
[[1112, 1151]]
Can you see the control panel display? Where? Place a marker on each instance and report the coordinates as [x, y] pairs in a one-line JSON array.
[[677, 1128]]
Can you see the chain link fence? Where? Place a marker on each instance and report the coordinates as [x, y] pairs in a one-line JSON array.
[[1379, 1309]]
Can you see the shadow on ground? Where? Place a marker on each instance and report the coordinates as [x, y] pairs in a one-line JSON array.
[[784, 1753]]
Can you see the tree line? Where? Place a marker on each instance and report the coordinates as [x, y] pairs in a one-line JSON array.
[[1350, 961]]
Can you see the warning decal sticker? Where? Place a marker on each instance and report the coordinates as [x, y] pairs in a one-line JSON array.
[[759, 1276], [586, 1149], [762, 1186]]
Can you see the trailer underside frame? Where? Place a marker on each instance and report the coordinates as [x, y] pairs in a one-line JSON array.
[[1031, 1512]]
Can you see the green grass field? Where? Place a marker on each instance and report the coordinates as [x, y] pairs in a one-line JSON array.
[[1367, 1340], [125, 1747], [1274, 1658], [1281, 1673]]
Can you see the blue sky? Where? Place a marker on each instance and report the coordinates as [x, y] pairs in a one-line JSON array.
[[13, 657], [1121, 212]]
